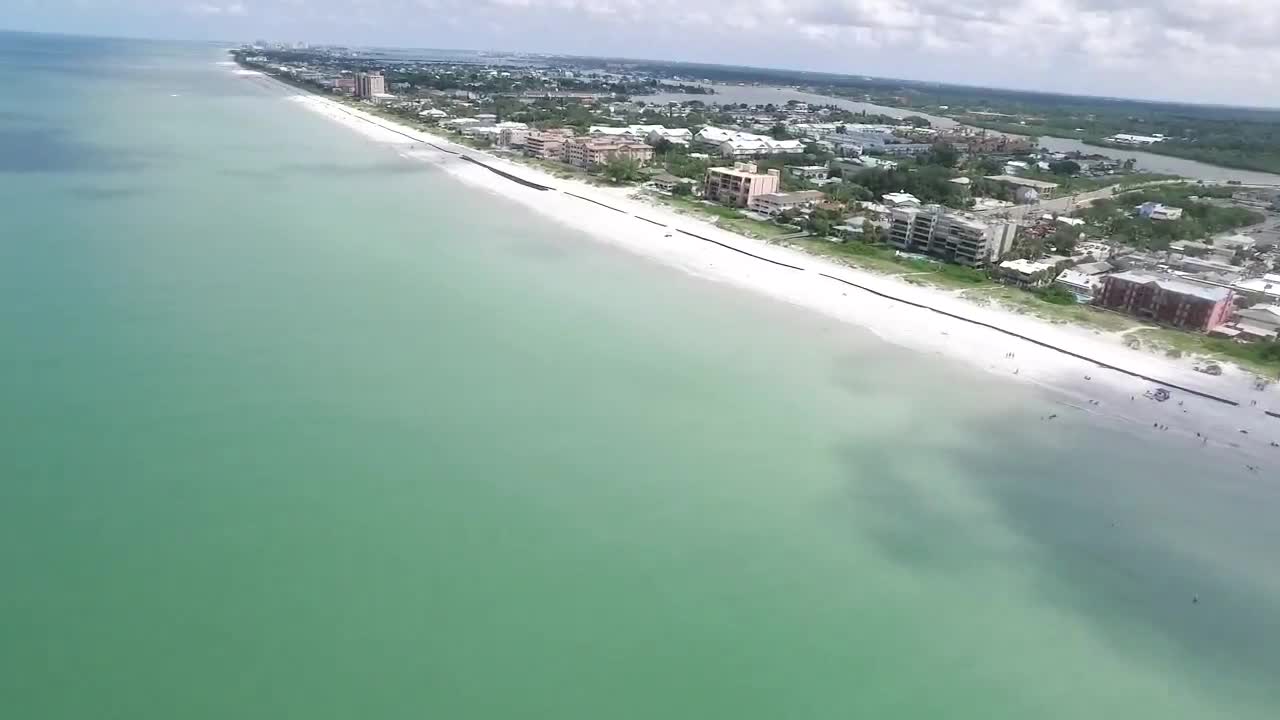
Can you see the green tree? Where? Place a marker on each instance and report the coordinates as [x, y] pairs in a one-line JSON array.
[[779, 132], [621, 169], [1064, 167], [1065, 239], [942, 154]]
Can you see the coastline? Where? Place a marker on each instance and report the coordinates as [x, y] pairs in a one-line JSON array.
[[921, 318]]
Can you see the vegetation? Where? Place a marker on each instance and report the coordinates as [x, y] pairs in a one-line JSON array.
[[622, 170], [929, 183], [1115, 217], [728, 218], [1260, 357]]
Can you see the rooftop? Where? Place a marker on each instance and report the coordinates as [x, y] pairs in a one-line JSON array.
[[1023, 182], [1027, 267], [1173, 284]]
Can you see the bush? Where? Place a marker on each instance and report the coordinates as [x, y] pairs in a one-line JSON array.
[[1056, 295]]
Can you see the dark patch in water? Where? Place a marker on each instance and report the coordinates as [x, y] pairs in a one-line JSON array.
[[40, 150]]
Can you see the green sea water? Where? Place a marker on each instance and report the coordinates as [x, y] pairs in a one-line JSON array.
[[291, 427]]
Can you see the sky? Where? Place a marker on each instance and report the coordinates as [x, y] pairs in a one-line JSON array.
[[1208, 51]]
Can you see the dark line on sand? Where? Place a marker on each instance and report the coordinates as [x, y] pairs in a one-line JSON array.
[[597, 202], [1033, 341], [507, 175], [744, 252]]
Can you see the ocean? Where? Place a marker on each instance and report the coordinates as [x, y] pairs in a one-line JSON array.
[[296, 427]]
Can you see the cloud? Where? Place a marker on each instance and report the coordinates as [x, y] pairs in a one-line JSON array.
[[232, 9], [1210, 50]]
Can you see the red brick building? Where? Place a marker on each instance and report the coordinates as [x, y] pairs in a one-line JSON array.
[[1167, 300]]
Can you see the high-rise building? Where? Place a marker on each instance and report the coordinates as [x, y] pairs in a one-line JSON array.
[[370, 84], [739, 185], [957, 237]]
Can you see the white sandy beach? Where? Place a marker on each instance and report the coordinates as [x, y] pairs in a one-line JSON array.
[[1080, 383]]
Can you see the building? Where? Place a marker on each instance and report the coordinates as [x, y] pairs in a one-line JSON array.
[[903, 149], [512, 136], [1127, 139], [809, 172], [1100, 267], [759, 146], [369, 85], [1258, 197], [1026, 190], [956, 237], [1167, 300], [1263, 289], [667, 182], [592, 151], [900, 199], [743, 145], [1084, 286], [675, 136], [633, 133], [1260, 322], [345, 85], [739, 185], [547, 144], [1026, 273], [1156, 211], [777, 203]]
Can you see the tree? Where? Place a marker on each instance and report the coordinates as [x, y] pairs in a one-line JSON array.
[[1064, 167], [917, 121], [663, 146], [779, 132], [621, 169], [943, 154], [682, 189], [1065, 239]]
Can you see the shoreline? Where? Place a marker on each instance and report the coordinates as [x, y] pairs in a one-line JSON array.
[[1062, 358]]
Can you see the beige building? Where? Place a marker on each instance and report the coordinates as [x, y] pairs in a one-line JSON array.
[[739, 185], [547, 144], [593, 151], [370, 84], [957, 237]]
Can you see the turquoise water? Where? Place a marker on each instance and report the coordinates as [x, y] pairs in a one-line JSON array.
[[293, 427]]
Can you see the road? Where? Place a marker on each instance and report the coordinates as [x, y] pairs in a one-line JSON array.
[[1067, 203]]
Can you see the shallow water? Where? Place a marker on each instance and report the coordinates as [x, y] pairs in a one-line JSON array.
[[296, 427]]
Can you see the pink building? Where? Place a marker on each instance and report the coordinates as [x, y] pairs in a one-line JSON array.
[[739, 185]]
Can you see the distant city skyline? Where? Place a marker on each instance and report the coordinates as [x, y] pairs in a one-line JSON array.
[[1203, 51]]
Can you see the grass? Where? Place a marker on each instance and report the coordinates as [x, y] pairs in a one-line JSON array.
[[727, 218], [883, 259], [1026, 302], [1255, 357]]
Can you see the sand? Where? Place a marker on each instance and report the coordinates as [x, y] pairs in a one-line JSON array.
[[1079, 385]]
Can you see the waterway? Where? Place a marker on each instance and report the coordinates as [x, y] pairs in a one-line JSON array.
[[1149, 162]]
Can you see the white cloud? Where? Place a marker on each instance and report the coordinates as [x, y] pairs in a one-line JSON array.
[[232, 9], [1213, 50]]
